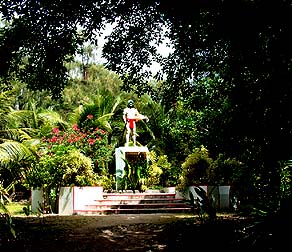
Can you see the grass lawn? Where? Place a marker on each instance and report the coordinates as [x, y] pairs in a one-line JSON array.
[[16, 208]]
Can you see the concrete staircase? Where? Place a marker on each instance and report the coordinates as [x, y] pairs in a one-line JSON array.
[[137, 203]]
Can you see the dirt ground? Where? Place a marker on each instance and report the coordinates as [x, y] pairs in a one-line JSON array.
[[124, 232], [140, 232]]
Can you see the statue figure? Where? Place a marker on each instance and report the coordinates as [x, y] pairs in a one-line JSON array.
[[130, 116]]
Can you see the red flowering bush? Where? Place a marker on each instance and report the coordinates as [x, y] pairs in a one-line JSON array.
[[93, 144], [71, 158]]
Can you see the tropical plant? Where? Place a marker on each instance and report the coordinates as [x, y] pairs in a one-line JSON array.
[[97, 112], [202, 204], [7, 227], [71, 169], [286, 179], [17, 145], [159, 171], [93, 143], [135, 173], [101, 82], [195, 169], [20, 134], [69, 157]]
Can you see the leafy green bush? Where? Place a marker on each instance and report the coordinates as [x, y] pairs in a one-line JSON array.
[[61, 167], [286, 179], [200, 169], [159, 171], [195, 169], [225, 171]]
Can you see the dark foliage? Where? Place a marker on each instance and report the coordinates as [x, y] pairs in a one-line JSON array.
[[245, 44]]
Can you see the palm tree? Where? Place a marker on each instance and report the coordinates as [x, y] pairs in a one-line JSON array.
[[102, 108], [20, 133], [10, 149], [11, 137]]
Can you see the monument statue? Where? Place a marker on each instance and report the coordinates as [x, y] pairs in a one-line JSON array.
[[130, 116]]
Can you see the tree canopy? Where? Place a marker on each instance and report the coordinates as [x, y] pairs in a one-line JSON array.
[[245, 44]]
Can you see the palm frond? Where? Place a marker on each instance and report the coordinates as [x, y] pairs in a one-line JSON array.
[[103, 121], [12, 151], [34, 119], [14, 134], [53, 118], [21, 115], [6, 101], [116, 104]]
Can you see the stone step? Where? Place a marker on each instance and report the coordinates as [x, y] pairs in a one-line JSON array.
[[127, 202], [133, 211], [138, 195], [135, 206], [136, 201]]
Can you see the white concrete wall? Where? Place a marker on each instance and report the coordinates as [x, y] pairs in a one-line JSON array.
[[220, 195], [224, 192], [70, 198], [37, 199], [66, 200], [86, 195]]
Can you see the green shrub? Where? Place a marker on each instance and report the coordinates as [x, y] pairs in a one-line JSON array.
[[195, 169], [159, 171]]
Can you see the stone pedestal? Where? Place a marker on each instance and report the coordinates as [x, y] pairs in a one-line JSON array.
[[131, 154]]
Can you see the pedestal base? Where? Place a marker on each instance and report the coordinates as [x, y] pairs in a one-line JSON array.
[[131, 154]]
